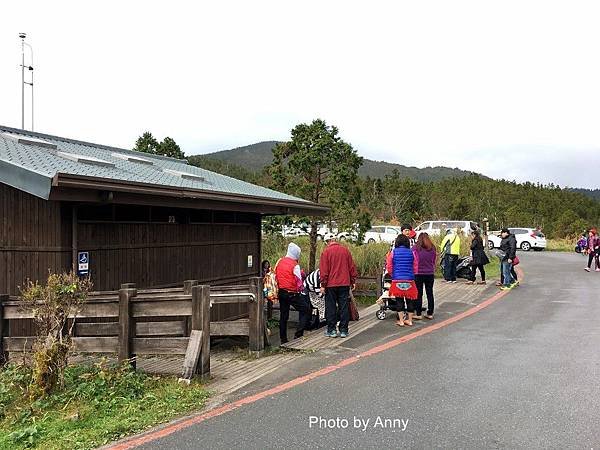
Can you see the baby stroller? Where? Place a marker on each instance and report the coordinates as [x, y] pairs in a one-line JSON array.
[[388, 303], [463, 267]]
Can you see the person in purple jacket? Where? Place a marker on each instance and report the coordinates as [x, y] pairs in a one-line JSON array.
[[424, 268]]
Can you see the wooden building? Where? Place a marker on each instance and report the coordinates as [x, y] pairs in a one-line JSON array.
[[143, 219]]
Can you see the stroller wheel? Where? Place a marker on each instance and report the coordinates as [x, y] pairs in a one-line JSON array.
[[380, 314]]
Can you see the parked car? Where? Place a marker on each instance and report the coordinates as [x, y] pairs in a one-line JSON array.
[[349, 235], [382, 233], [326, 228], [527, 239], [436, 227], [293, 231]]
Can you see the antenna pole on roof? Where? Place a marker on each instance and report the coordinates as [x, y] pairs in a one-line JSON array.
[[23, 82], [22, 36]]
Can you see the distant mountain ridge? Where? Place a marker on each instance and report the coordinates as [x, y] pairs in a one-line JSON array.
[[255, 157]]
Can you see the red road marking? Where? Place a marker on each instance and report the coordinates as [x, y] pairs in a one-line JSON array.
[[170, 429]]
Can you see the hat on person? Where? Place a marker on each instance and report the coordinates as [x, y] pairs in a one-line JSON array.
[[406, 226], [293, 251], [504, 230], [329, 237]]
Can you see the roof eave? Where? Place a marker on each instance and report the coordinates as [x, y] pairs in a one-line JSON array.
[[293, 207]]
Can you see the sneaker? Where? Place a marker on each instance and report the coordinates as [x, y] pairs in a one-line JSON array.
[[429, 316], [514, 285], [331, 334], [597, 270], [505, 288], [454, 282], [587, 269], [343, 334]]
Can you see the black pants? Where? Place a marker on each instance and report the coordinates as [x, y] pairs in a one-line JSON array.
[[450, 267], [481, 268], [336, 307], [593, 256], [424, 281], [287, 299]]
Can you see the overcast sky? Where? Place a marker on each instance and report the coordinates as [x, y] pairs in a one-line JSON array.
[[510, 89]]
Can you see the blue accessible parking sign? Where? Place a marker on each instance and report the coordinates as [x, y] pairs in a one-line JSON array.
[[83, 263]]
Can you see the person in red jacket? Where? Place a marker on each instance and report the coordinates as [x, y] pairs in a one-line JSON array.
[[289, 282], [338, 275]]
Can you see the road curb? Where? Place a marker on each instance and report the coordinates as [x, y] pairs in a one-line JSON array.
[[171, 428]]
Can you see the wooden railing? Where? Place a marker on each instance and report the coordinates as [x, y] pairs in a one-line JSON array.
[[131, 322]]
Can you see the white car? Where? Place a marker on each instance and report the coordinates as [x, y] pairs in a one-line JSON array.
[[382, 233], [527, 239], [293, 231], [435, 227]]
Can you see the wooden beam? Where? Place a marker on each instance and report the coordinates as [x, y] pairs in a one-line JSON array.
[[201, 321], [86, 329], [162, 308], [170, 328], [192, 355], [160, 346], [238, 327]]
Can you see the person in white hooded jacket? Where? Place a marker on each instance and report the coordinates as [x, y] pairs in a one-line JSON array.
[[289, 282]]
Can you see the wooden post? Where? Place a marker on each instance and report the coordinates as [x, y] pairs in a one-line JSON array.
[[74, 262], [187, 290], [201, 322], [256, 313], [126, 325], [188, 285], [3, 331]]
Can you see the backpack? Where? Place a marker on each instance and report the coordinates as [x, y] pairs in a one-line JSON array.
[[270, 288]]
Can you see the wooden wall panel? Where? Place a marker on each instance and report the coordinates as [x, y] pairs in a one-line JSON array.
[[160, 255], [30, 239]]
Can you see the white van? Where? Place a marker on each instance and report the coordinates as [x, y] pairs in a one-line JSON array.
[[435, 227]]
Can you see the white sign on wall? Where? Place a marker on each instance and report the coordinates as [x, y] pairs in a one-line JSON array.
[[250, 263]]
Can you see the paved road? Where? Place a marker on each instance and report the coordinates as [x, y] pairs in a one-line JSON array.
[[522, 373]]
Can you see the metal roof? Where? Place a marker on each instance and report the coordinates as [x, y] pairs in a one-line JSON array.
[[30, 166]]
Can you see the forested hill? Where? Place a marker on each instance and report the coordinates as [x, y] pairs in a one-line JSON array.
[[257, 156], [591, 193]]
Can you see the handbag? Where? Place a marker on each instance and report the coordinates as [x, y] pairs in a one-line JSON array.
[[516, 261], [354, 316]]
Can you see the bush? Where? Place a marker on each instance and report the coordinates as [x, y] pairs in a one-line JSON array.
[[51, 306]]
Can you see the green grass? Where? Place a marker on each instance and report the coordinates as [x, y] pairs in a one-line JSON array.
[[97, 405], [560, 245]]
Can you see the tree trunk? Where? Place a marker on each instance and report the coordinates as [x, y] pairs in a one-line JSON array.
[[312, 258]]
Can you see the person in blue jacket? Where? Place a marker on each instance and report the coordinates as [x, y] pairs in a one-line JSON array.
[[400, 264]]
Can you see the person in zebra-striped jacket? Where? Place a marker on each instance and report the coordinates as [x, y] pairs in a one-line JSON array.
[[312, 284]]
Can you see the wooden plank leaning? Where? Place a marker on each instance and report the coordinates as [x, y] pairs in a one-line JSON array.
[[197, 356]]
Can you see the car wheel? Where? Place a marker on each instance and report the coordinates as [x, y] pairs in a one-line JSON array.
[[380, 314], [490, 245], [525, 246], [371, 241]]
